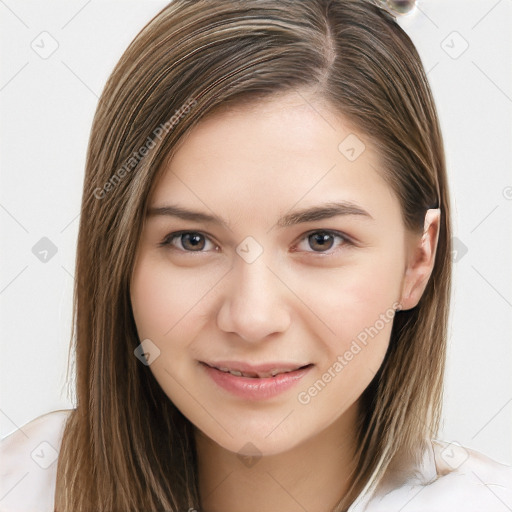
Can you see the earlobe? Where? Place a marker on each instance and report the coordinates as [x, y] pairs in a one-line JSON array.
[[421, 261]]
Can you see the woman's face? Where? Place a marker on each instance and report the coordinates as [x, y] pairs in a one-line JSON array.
[[251, 279]]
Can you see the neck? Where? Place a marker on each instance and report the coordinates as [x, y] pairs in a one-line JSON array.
[[312, 476]]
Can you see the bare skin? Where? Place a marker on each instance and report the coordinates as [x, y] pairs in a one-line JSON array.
[[300, 300]]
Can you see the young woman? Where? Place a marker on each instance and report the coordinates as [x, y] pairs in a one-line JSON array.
[[262, 278]]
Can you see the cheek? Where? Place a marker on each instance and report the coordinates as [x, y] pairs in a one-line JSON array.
[[167, 301], [348, 365], [352, 298], [154, 300], [166, 304], [357, 303]]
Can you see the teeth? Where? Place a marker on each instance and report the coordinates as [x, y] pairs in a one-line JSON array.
[[265, 375]]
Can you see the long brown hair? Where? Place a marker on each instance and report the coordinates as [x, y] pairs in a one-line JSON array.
[[126, 447]]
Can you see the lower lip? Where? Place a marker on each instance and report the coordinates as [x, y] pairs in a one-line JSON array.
[[255, 388]]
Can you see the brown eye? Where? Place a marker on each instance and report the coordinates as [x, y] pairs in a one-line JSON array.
[[189, 241], [321, 241], [192, 241]]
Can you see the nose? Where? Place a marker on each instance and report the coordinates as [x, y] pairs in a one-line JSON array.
[[254, 306]]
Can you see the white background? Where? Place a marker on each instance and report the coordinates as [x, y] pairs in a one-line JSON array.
[[47, 107]]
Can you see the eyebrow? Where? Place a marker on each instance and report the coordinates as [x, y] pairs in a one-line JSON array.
[[312, 214]]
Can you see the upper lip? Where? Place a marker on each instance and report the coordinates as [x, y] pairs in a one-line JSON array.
[[259, 370]]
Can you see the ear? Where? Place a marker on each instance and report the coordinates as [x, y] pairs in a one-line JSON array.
[[420, 260]]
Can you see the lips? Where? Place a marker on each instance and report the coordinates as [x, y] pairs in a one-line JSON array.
[[262, 371], [255, 382]]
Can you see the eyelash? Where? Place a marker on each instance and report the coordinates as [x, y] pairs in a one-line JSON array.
[[346, 241]]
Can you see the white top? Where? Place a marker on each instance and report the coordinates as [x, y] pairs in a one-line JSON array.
[[450, 478]]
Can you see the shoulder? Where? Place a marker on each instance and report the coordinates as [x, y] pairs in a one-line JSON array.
[[470, 477], [29, 463], [459, 480]]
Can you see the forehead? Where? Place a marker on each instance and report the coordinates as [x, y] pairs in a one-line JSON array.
[[274, 153]]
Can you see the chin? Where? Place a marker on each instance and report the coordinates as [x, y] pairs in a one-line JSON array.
[[254, 441]]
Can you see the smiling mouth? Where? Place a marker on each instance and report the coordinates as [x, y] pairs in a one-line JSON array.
[[258, 374]]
